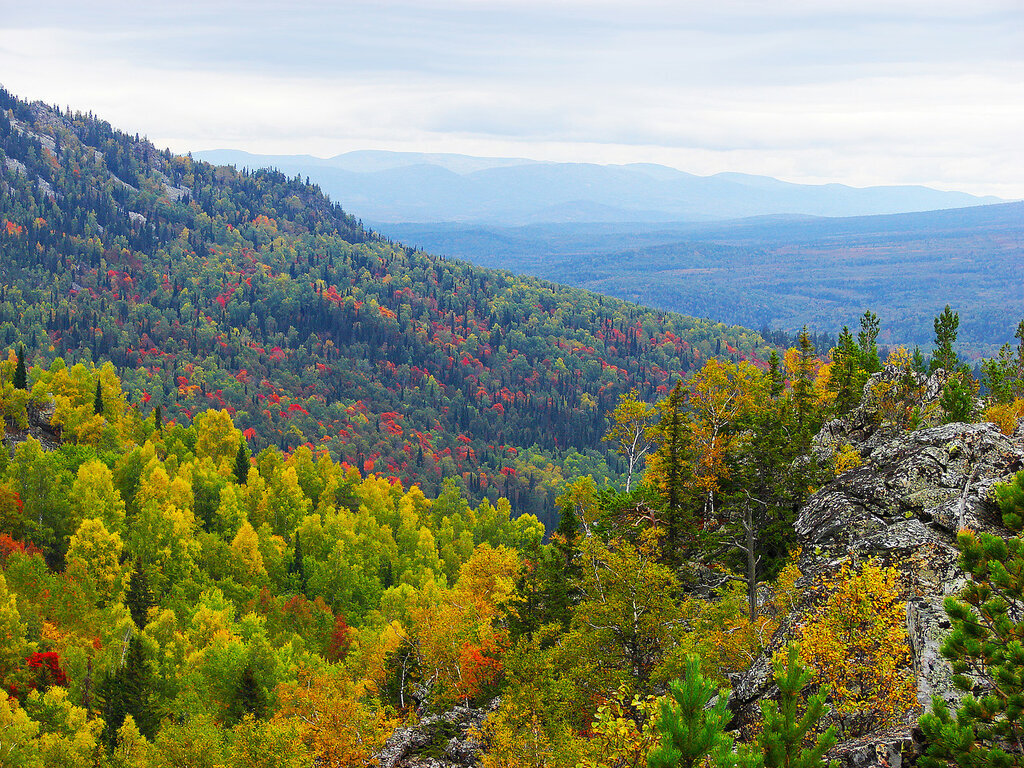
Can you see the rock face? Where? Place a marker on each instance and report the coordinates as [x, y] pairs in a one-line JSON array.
[[904, 505], [449, 740]]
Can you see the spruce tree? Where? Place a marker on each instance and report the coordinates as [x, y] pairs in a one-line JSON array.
[[803, 383], [97, 401], [242, 463], [846, 377], [129, 691], [867, 342], [158, 418], [20, 374], [775, 375], [250, 698], [139, 598], [946, 325]]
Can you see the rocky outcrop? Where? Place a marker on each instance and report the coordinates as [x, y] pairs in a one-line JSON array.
[[448, 740], [39, 427], [903, 505]]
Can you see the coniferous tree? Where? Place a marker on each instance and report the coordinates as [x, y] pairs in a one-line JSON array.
[[984, 649], [20, 374], [775, 376], [242, 463], [97, 401], [803, 383], [297, 566], [782, 741], [946, 325], [846, 376], [867, 342], [158, 418], [690, 730], [129, 691], [139, 598], [250, 698], [673, 462]]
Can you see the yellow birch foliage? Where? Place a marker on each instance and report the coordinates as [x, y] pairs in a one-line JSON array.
[[857, 644], [1006, 416]]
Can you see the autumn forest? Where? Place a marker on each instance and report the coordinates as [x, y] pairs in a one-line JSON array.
[[275, 490]]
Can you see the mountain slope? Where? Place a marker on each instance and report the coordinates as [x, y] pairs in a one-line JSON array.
[[420, 187], [210, 287]]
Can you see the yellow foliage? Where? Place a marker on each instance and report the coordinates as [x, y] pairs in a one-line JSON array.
[[99, 552], [1006, 416], [845, 459], [896, 399], [623, 732], [337, 728], [857, 644]]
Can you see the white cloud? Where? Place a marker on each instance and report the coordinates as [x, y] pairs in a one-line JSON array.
[[888, 92]]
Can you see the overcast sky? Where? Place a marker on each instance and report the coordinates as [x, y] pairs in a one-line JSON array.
[[868, 92]]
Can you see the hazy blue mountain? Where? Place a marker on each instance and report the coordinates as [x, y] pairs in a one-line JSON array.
[[419, 187]]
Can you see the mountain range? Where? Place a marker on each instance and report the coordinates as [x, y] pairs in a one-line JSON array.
[[391, 187]]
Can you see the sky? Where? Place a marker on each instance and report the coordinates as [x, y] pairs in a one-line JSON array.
[[870, 92]]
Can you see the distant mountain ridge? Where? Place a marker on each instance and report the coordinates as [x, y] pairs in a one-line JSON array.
[[423, 187]]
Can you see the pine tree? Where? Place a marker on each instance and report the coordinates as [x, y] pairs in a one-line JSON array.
[[782, 741], [867, 342], [946, 325], [20, 374], [984, 649], [690, 730], [242, 463]]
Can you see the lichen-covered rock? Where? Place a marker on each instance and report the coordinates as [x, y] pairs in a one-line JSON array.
[[448, 740]]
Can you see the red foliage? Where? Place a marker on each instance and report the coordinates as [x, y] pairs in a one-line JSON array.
[[46, 670], [340, 641], [9, 545]]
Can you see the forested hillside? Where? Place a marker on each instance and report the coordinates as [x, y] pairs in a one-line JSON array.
[[167, 598], [212, 288]]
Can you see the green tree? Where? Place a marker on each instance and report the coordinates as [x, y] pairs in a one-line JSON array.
[[129, 691], [242, 463], [803, 384], [690, 729], [957, 399], [867, 340], [783, 740], [846, 376], [139, 598], [20, 374], [944, 357], [985, 651], [97, 401]]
